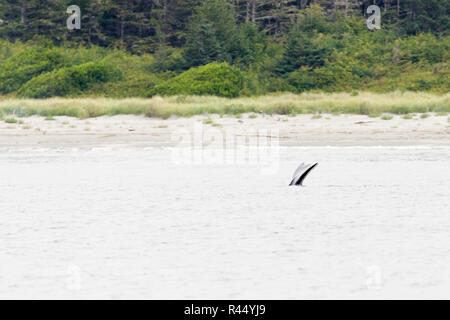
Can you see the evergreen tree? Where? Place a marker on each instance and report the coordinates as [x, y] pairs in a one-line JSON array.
[[211, 34], [27, 19], [426, 16], [91, 30], [208, 30], [272, 16], [14, 16], [302, 48]]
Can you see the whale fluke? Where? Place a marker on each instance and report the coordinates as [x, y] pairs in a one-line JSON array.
[[301, 173]]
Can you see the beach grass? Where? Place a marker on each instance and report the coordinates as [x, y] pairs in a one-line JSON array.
[[285, 104], [11, 120], [387, 117]]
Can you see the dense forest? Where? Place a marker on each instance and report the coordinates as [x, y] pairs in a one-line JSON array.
[[221, 47]]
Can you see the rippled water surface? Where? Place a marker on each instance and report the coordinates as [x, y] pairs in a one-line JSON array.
[[125, 223]]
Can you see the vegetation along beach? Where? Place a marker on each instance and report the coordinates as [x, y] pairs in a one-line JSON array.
[[220, 59]]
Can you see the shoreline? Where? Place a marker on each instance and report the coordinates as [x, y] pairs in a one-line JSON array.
[[300, 130]]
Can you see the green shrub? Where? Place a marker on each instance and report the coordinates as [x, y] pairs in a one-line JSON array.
[[11, 120], [219, 79], [68, 81], [302, 79], [23, 66], [131, 86]]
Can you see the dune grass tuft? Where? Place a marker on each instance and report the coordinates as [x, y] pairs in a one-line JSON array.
[[387, 117]]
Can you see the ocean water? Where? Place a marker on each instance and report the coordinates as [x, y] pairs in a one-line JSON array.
[[371, 222]]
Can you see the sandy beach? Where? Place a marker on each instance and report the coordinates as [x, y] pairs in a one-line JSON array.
[[300, 130]]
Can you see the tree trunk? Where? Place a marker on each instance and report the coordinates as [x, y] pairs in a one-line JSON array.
[[122, 22], [247, 17], [303, 4], [253, 11], [22, 12], [162, 38], [122, 27]]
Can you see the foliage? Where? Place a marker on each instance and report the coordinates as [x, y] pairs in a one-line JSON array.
[[68, 81], [23, 66], [218, 79], [426, 16], [268, 46], [214, 36]]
